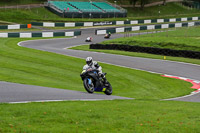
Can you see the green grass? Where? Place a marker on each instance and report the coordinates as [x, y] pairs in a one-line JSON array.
[[179, 39], [101, 116], [27, 15], [127, 2], [20, 2], [18, 30], [136, 54], [42, 14], [28, 66], [171, 9], [145, 114]]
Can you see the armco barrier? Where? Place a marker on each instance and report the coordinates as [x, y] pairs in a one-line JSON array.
[[149, 21], [40, 34], [146, 27], [71, 24], [16, 26], [151, 50]]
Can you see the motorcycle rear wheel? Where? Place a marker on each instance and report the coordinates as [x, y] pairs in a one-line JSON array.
[[108, 90], [88, 88]]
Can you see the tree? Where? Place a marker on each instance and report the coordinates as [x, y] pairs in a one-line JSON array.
[[164, 2], [143, 3], [133, 2]]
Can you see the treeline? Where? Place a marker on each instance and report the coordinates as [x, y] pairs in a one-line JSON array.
[[8, 2]]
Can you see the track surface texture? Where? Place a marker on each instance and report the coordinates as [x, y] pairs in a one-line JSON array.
[[11, 92], [60, 46]]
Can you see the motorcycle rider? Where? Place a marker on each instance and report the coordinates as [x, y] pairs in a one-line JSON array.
[[90, 64], [109, 34]]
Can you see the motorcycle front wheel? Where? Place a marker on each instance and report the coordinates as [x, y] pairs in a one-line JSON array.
[[88, 87], [108, 90]]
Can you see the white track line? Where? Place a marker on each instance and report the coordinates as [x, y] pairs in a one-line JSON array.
[[41, 101], [176, 98]]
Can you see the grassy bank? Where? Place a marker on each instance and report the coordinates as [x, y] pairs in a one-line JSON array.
[[42, 14], [101, 116], [135, 54], [171, 9], [19, 30], [145, 114], [28, 66], [178, 39], [20, 2]]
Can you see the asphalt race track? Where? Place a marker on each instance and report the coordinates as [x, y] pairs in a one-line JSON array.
[[19, 93], [11, 92]]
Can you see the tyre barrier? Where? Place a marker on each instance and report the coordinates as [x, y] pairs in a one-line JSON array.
[[150, 50]]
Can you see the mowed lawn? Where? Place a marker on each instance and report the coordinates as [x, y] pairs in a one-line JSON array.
[[179, 39], [29, 66], [175, 38], [144, 114], [121, 116], [137, 54]]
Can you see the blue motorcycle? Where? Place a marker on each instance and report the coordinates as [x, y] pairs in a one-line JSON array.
[[93, 82]]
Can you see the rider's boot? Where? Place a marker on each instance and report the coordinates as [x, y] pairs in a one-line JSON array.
[[105, 81]]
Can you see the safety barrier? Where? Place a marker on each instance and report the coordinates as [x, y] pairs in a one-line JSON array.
[[146, 27], [74, 24], [16, 26], [151, 50], [39, 34]]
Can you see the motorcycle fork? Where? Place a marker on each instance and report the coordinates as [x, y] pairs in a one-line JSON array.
[[89, 81]]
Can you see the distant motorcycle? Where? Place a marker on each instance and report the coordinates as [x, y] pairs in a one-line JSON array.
[[88, 39], [107, 36], [93, 82]]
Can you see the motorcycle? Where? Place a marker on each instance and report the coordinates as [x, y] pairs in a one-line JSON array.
[[88, 39], [107, 36], [93, 82]]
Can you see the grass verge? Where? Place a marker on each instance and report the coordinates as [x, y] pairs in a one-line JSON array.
[[42, 14], [136, 54], [28, 66], [20, 2], [101, 116], [146, 114], [178, 39], [19, 30]]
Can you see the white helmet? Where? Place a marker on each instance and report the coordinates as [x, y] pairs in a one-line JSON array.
[[89, 61]]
